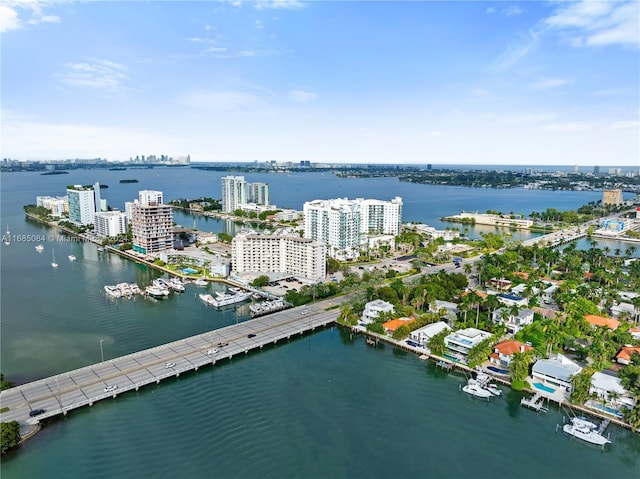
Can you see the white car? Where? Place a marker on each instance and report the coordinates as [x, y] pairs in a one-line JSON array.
[[109, 389], [169, 365], [212, 351]]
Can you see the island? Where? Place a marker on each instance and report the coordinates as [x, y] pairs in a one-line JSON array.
[[129, 181]]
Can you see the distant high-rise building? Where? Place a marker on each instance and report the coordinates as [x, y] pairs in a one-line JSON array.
[[612, 197], [575, 169], [596, 170], [234, 193], [82, 206], [259, 193], [96, 197]]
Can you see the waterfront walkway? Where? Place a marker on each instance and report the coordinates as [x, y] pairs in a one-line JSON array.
[[85, 386]]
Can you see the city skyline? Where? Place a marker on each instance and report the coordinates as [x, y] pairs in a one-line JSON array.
[[504, 83]]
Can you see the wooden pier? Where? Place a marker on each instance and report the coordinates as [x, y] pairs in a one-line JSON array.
[[83, 387], [536, 403]]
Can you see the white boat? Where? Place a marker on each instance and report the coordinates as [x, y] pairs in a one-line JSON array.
[[200, 282], [71, 257], [112, 291], [176, 285], [207, 298], [53, 262], [493, 389], [135, 289], [225, 299], [475, 389], [7, 237], [156, 292], [39, 248], [585, 430]]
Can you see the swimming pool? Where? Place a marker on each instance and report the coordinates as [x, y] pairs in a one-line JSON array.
[[498, 370], [189, 270], [544, 388]]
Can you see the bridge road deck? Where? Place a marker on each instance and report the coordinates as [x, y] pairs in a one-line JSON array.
[[67, 391]]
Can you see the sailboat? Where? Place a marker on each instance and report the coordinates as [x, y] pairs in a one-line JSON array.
[[7, 237], [53, 263]]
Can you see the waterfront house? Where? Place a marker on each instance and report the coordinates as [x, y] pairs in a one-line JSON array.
[[424, 334], [513, 322], [608, 390], [601, 321], [556, 371], [624, 356], [459, 343], [503, 352], [373, 309], [391, 326]]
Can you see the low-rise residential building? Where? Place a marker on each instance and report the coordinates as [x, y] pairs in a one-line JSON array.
[[619, 310], [512, 299], [547, 294], [513, 323], [503, 352], [608, 389], [373, 309], [624, 356], [602, 322], [58, 206], [449, 309], [556, 371], [424, 334], [459, 343], [391, 326]]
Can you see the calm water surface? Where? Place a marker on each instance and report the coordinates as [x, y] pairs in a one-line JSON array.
[[324, 405]]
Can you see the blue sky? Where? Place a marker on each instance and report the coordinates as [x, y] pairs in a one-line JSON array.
[[343, 82]]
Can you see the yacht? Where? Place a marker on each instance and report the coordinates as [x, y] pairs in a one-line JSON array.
[[200, 282], [474, 388], [39, 248], [207, 298], [156, 292], [112, 291], [176, 285], [586, 430], [225, 299]]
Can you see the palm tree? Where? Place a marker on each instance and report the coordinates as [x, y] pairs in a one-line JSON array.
[[519, 367]]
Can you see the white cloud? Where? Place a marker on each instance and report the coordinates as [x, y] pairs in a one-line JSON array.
[[8, 19], [588, 23], [515, 52], [570, 127], [551, 83], [12, 10], [301, 96], [491, 10], [610, 92], [95, 74], [619, 125], [273, 4]]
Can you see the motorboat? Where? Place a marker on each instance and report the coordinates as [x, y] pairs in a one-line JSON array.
[[72, 257], [493, 389], [585, 430], [225, 299], [207, 298], [39, 248], [156, 292], [475, 389], [200, 282], [176, 285], [112, 291]]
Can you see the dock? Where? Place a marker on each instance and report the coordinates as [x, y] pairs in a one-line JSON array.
[[536, 403], [65, 392]]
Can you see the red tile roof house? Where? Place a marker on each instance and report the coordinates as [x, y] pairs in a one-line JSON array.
[[624, 356], [391, 326], [601, 321], [503, 352]]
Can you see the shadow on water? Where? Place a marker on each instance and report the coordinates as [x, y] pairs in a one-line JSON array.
[[512, 400], [347, 337]]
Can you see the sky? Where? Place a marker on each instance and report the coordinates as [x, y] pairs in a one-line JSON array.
[[417, 82]]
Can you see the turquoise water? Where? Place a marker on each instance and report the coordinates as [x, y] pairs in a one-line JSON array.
[[189, 270], [542, 387], [324, 405]]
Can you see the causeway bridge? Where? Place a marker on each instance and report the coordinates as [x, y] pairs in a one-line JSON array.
[[83, 387]]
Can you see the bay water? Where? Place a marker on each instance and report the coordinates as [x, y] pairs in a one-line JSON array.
[[323, 405]]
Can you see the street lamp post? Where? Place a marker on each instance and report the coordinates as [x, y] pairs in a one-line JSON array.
[[101, 351]]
